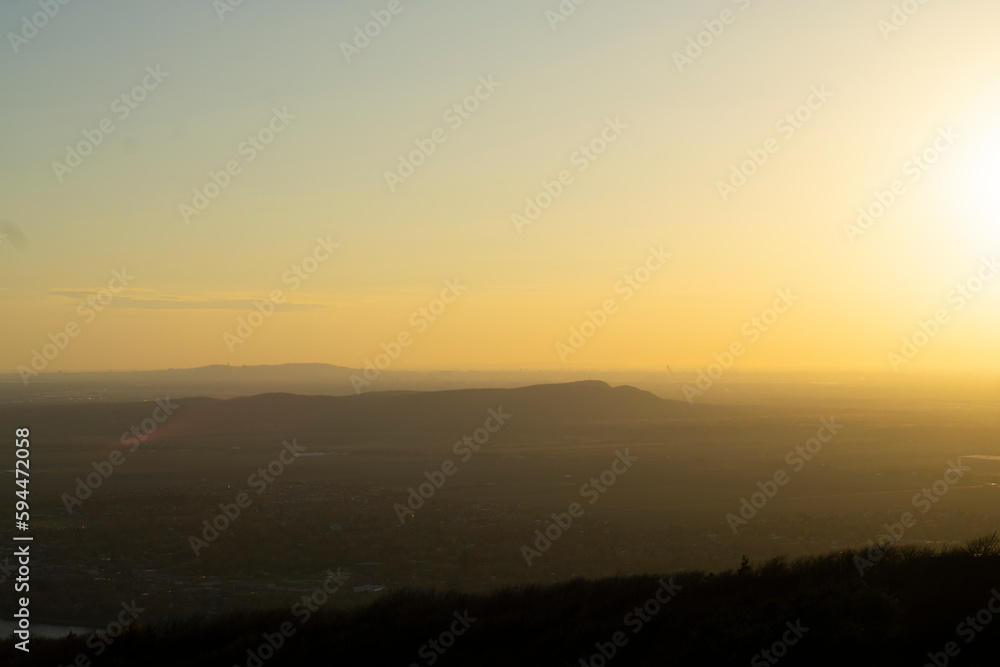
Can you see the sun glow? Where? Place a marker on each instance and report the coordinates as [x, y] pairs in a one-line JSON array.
[[975, 190], [985, 179]]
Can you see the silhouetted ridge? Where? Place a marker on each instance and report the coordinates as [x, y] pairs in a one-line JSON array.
[[556, 408]]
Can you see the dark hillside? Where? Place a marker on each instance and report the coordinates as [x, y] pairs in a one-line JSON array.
[[911, 603]]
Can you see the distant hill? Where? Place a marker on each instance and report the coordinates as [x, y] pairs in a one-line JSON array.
[[530, 407], [538, 408], [905, 610], [213, 373], [219, 381], [226, 381], [225, 373]]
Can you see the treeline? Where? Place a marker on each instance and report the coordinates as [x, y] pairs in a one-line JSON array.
[[911, 606]]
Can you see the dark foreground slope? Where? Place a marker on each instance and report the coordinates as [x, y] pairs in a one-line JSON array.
[[816, 611]]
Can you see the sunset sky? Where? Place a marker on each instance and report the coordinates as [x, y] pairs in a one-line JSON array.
[[674, 130]]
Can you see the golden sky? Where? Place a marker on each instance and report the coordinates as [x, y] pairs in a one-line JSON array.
[[226, 146]]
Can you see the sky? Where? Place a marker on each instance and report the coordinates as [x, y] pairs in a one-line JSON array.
[[695, 165]]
